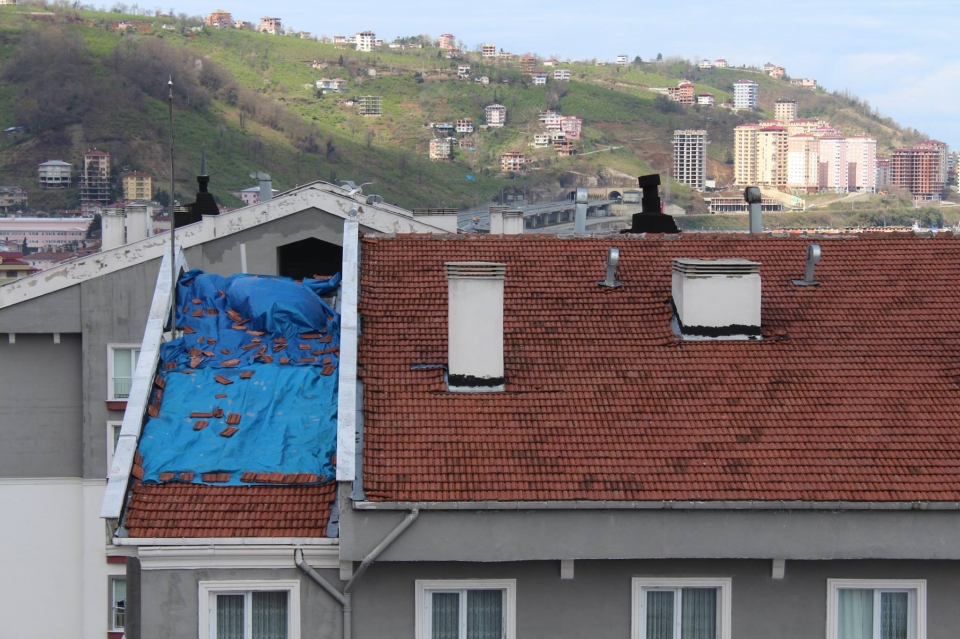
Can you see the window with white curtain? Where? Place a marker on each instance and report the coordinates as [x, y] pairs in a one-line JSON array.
[[876, 609], [687, 608], [466, 609], [121, 365], [118, 602], [250, 610]]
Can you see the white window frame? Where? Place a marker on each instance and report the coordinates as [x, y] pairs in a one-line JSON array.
[[641, 585], [112, 604], [208, 601], [918, 601], [110, 386], [111, 445], [425, 587]]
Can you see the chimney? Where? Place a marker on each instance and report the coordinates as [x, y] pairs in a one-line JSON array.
[[475, 326], [513, 222], [580, 212], [717, 299], [138, 222], [496, 218], [112, 228], [445, 219]]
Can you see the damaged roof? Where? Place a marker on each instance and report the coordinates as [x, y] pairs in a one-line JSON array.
[[240, 431], [852, 394]]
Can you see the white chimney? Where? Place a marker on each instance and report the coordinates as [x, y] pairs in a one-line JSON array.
[[112, 223], [475, 326], [513, 222], [445, 219], [138, 222], [717, 299], [496, 218]]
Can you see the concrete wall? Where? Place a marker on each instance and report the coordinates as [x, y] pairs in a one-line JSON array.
[[596, 603], [628, 534], [41, 406], [169, 601], [57, 312]]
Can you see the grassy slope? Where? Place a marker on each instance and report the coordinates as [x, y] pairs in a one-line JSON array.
[[615, 102]]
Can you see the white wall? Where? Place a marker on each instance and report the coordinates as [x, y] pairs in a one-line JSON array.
[[52, 550]]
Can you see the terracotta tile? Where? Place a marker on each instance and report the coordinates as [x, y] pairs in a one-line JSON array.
[[186, 477], [201, 424], [223, 380], [329, 370], [220, 395], [246, 374], [229, 431], [229, 362], [307, 360], [233, 419], [166, 476]]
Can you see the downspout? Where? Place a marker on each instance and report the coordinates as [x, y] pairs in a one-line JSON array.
[[344, 598]]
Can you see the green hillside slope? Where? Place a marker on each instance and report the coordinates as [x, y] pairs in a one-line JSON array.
[[76, 82]]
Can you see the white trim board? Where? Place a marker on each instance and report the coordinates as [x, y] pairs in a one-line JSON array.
[[347, 397], [225, 541], [40, 481], [218, 556]]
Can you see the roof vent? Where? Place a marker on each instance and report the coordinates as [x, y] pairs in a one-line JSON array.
[[717, 299], [475, 326], [613, 268], [813, 258]]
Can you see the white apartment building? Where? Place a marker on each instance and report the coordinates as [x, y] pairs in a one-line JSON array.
[[745, 94], [442, 149], [772, 156], [366, 41], [496, 115], [463, 70], [834, 172], [862, 163], [488, 51], [622, 59], [541, 140], [561, 75], [690, 157], [539, 77], [803, 165], [54, 174], [464, 125], [706, 99]]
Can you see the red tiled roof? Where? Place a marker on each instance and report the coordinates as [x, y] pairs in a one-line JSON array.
[[853, 394], [196, 510]]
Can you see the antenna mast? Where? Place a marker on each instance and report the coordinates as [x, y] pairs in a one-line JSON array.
[[173, 220]]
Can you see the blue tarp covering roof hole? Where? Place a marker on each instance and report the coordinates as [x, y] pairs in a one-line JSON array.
[[248, 394]]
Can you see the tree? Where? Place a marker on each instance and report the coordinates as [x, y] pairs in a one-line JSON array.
[[659, 57], [162, 197], [340, 61], [637, 61]]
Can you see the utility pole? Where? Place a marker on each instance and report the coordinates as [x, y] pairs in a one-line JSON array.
[[173, 219]]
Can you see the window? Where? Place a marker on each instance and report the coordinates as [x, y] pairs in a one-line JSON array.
[[250, 609], [872, 609], [113, 436], [466, 609], [118, 602], [121, 365], [681, 608]]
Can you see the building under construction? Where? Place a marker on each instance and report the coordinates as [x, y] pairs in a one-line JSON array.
[[920, 170], [370, 105], [690, 157], [95, 179]]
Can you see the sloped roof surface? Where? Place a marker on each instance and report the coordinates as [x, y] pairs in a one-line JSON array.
[[853, 393]]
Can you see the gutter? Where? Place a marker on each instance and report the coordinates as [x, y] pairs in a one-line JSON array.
[[345, 598], [656, 505]]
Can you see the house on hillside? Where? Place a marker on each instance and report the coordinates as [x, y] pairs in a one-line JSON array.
[[463, 70], [706, 99], [441, 149], [705, 65], [496, 115], [12, 197], [720, 64], [464, 125], [270, 25], [513, 161], [561, 75], [332, 85], [539, 77], [219, 19], [622, 59]]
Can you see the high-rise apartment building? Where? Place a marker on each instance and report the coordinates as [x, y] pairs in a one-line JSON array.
[[772, 156], [834, 172], [745, 154], [943, 151], [137, 185], [862, 164], [883, 171], [803, 166], [797, 126], [95, 179], [366, 41], [690, 157], [918, 170], [744, 94], [785, 111]]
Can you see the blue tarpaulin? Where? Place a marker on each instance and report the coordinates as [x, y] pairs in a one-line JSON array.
[[259, 355]]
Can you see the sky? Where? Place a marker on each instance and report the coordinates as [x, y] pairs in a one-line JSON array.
[[902, 56]]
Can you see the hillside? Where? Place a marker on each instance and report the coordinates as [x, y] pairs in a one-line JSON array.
[[77, 82]]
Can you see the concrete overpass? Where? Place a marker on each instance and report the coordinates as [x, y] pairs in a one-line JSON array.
[[545, 215]]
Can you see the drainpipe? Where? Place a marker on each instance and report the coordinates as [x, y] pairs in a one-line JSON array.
[[344, 599]]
